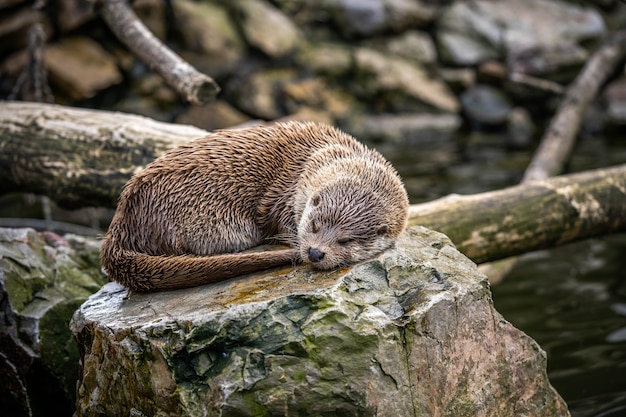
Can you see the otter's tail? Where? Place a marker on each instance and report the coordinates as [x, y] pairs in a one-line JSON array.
[[146, 273]]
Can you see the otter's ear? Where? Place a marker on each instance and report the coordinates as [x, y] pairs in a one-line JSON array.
[[382, 230], [316, 200]]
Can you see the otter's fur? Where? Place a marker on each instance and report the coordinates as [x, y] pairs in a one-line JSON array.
[[181, 221]]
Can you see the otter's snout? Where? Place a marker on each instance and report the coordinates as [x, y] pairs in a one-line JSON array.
[[315, 255]]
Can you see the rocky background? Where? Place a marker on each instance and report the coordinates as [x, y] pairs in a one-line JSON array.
[[416, 70]]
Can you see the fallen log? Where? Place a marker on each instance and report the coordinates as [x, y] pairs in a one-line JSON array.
[[78, 157], [534, 215]]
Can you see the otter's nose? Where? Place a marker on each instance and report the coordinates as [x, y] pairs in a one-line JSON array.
[[315, 255]]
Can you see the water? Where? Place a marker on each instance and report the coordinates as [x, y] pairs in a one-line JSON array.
[[572, 301]]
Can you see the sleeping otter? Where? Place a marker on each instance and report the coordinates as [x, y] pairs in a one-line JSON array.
[[184, 220]]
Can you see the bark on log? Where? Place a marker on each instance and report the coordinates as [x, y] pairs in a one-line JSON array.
[[531, 216], [78, 157], [192, 85]]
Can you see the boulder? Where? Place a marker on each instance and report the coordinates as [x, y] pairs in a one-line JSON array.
[[43, 279], [365, 18], [211, 41], [411, 332], [485, 105]]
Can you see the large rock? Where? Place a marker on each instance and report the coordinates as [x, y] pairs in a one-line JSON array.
[[410, 333], [43, 279]]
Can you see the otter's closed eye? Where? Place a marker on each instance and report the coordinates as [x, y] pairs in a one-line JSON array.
[[344, 241], [382, 230]]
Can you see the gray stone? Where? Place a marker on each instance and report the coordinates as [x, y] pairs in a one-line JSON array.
[[486, 105], [412, 332], [473, 32], [412, 45], [258, 93], [414, 128], [81, 67], [370, 17], [615, 97], [207, 30]]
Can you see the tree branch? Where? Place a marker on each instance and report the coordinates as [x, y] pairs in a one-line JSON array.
[[194, 86], [560, 136]]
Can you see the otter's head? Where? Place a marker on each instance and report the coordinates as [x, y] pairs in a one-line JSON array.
[[345, 222]]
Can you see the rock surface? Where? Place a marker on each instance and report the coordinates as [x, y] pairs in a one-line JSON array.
[[412, 332], [43, 280]]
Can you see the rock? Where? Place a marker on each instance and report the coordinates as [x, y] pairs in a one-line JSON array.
[[472, 32], [486, 105], [404, 85], [330, 59], [365, 18], [217, 114], [411, 332], [416, 128], [43, 279], [520, 129], [266, 27], [71, 14], [314, 93], [615, 97], [80, 67], [258, 94], [560, 62], [211, 40], [411, 45]]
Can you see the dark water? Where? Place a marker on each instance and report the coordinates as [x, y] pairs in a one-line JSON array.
[[571, 299]]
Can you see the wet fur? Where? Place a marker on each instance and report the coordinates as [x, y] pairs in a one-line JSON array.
[[182, 221]]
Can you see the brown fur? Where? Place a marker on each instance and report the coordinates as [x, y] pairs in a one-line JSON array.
[[181, 222]]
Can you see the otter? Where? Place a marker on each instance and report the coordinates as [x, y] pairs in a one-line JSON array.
[[186, 218]]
